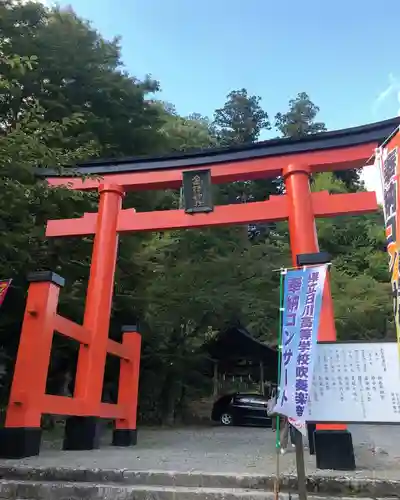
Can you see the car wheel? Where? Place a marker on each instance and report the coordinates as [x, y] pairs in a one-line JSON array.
[[226, 419]]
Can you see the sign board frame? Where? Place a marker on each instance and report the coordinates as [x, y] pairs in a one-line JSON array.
[[359, 422]]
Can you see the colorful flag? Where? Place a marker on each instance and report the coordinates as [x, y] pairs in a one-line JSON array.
[[4, 286], [389, 168], [302, 300]]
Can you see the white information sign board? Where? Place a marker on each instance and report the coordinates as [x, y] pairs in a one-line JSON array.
[[356, 382]]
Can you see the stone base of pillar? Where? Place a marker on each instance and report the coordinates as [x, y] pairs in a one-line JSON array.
[[20, 442], [334, 450], [82, 433], [124, 437]]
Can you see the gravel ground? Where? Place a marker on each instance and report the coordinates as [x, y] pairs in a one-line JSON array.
[[224, 450]]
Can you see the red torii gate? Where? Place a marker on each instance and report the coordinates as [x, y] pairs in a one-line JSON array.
[[294, 160]]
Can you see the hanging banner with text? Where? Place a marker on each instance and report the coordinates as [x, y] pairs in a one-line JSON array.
[[302, 300], [355, 383], [387, 159], [4, 286]]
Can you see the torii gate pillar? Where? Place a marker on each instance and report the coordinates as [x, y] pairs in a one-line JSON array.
[[332, 442]]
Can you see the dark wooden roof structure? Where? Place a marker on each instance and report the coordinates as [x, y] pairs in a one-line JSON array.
[[236, 345], [374, 132]]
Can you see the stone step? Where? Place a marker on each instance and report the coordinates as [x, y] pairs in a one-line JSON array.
[[316, 484], [35, 490]]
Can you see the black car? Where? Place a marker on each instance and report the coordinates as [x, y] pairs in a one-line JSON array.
[[241, 409]]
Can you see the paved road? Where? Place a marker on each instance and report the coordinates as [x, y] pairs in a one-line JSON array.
[[225, 450]]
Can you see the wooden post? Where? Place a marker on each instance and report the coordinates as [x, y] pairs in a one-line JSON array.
[[90, 370], [125, 432], [300, 468], [262, 388], [215, 379], [21, 436], [82, 433]]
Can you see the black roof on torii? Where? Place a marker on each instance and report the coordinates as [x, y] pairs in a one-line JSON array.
[[375, 132]]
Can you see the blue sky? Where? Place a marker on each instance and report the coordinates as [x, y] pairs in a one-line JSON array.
[[344, 53], [341, 52]]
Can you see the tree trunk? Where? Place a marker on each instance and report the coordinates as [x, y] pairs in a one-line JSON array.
[[215, 379], [262, 388], [170, 391]]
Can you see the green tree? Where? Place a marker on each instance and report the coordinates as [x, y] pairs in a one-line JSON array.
[[26, 205], [300, 121], [241, 119], [186, 133], [79, 72]]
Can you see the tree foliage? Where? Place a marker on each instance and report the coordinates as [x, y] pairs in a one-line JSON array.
[[186, 133], [299, 120], [26, 205], [241, 119], [79, 72]]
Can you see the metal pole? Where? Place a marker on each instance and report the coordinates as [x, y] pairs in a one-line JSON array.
[[278, 440], [300, 468]]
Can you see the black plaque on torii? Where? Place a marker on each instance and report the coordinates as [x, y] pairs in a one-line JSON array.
[[197, 191]]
